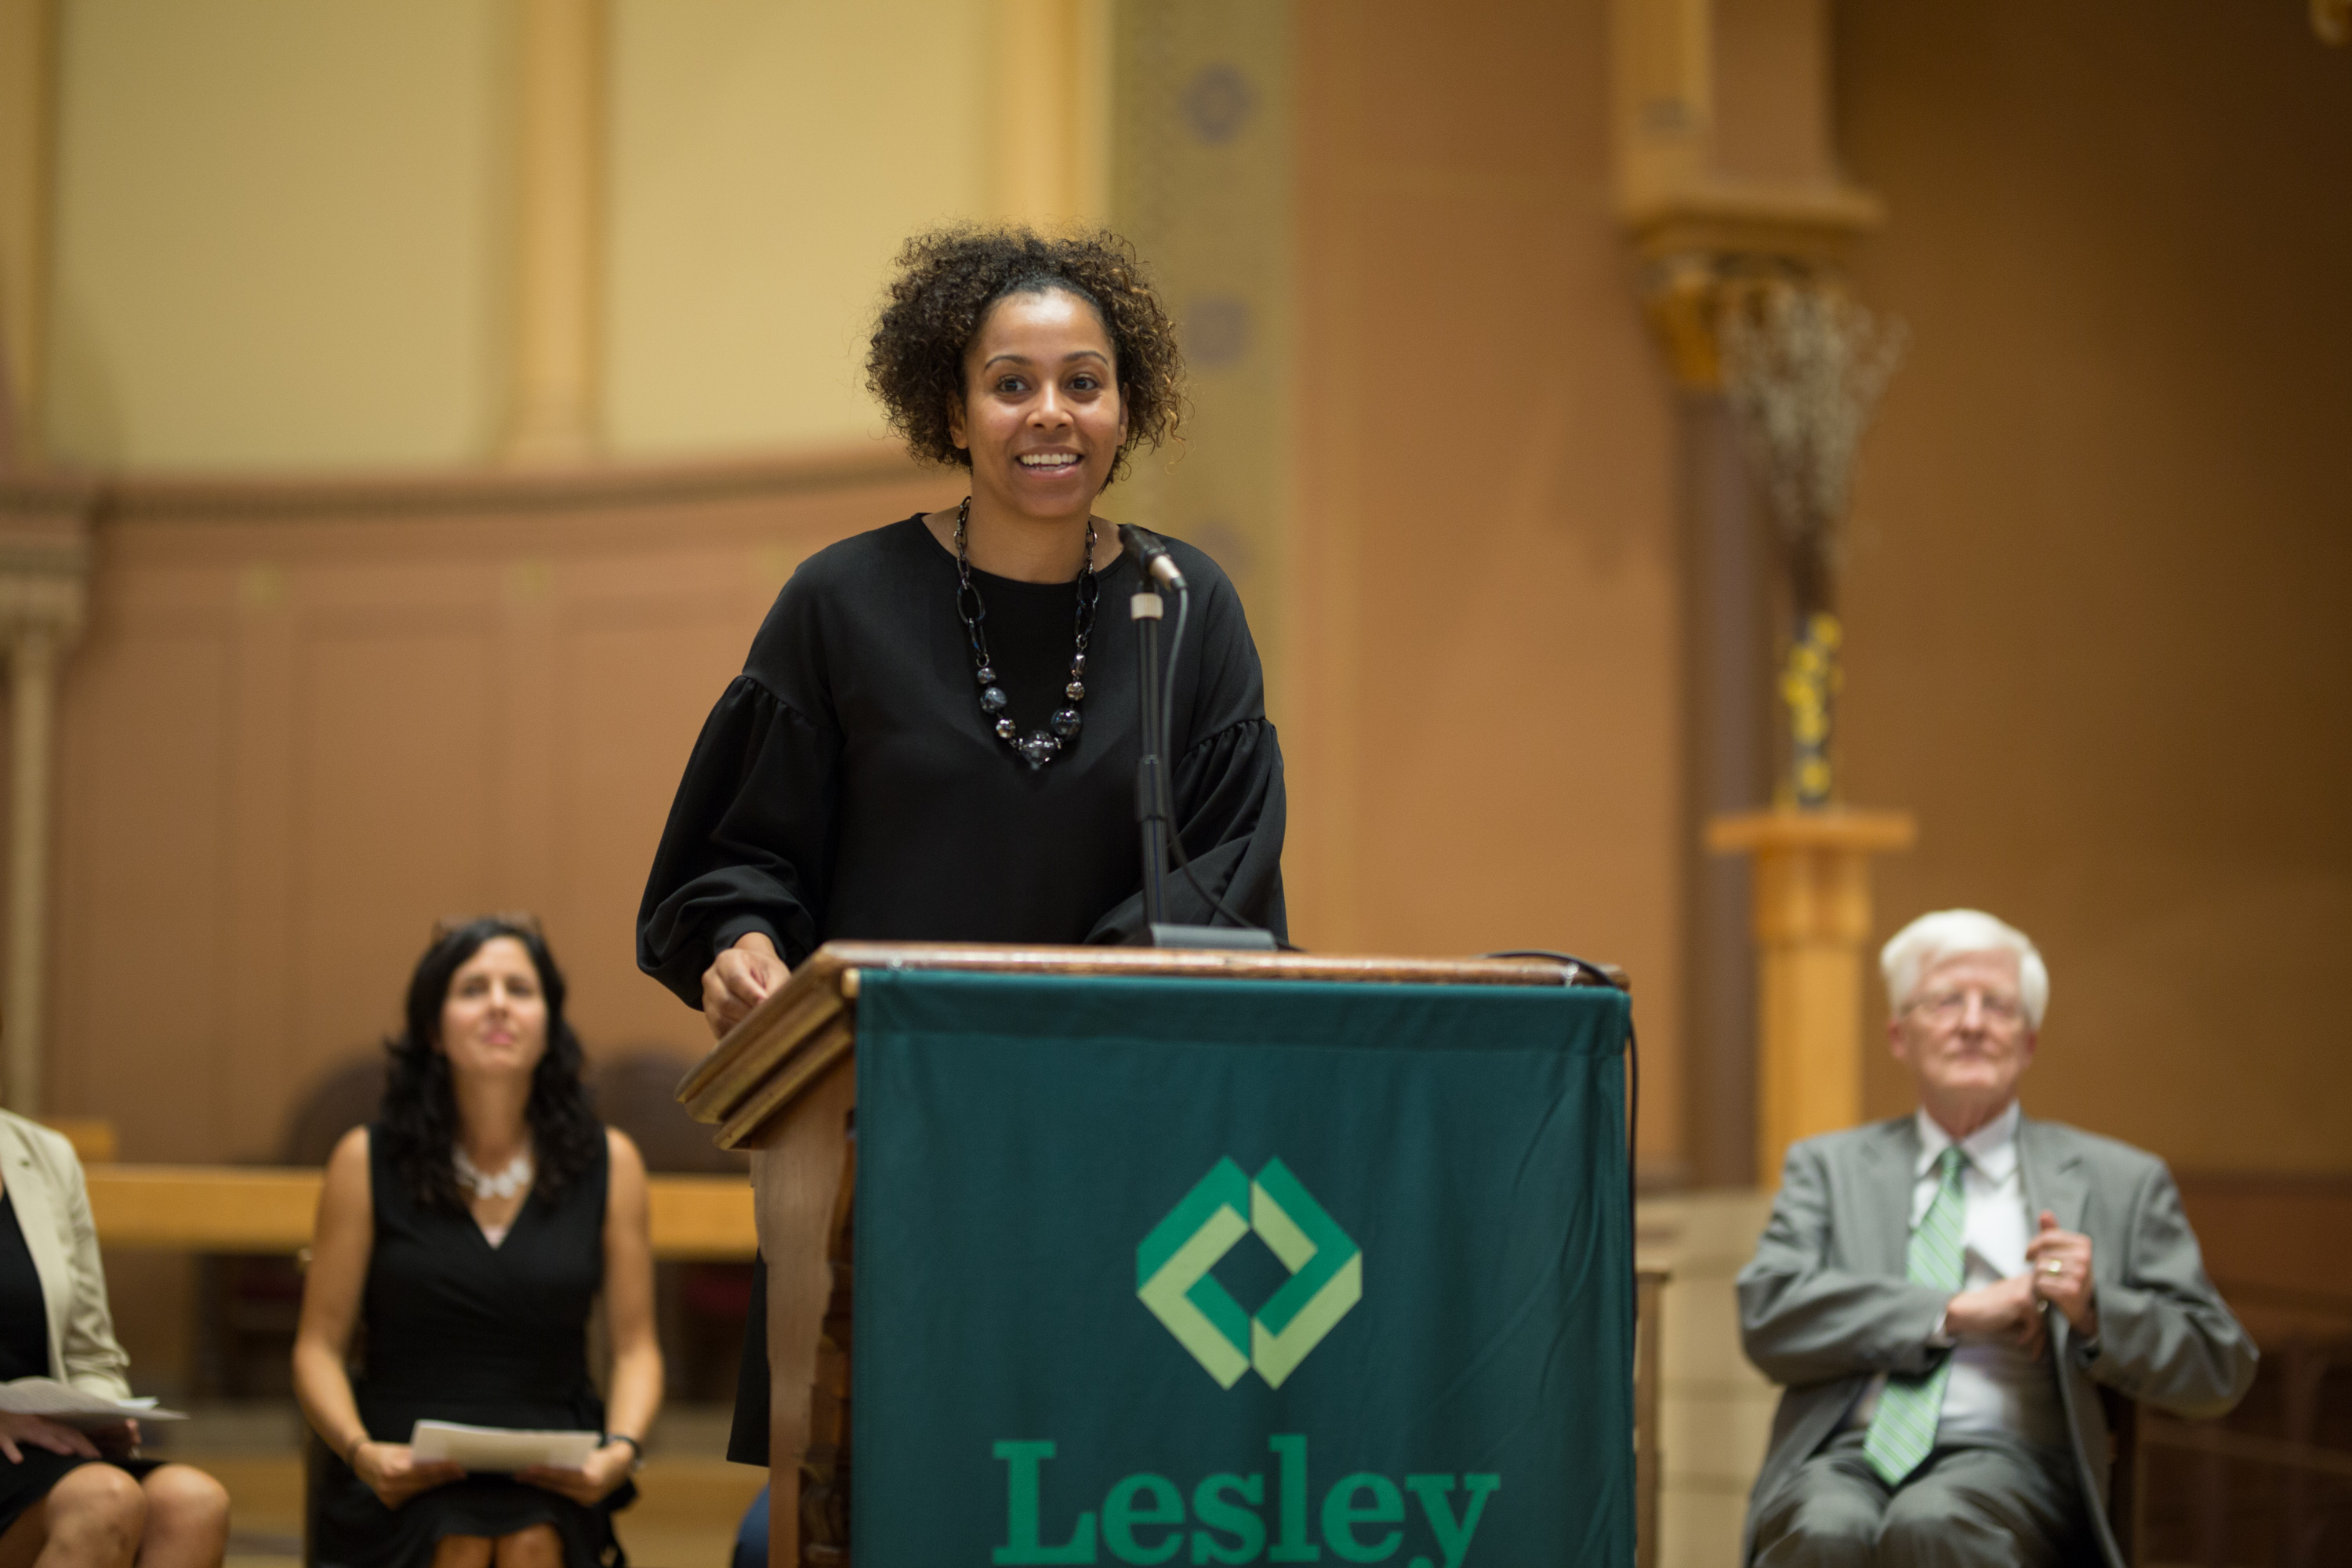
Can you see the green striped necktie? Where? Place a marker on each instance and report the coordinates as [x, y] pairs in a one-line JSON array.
[[1904, 1429]]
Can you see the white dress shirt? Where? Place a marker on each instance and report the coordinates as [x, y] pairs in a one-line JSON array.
[[1995, 1387]]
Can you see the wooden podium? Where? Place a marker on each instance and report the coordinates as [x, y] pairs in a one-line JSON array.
[[778, 1085]]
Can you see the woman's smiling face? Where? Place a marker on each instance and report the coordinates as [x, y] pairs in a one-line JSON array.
[[1042, 416]]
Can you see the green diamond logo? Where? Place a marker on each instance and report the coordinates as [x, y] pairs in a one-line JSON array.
[[1172, 1278]]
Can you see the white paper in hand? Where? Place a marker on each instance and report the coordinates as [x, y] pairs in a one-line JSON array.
[[69, 1407], [499, 1449]]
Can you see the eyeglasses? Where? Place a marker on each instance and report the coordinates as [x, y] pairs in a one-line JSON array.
[[1946, 1008]]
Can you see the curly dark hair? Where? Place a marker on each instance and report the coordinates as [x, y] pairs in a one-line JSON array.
[[419, 1119], [950, 278]]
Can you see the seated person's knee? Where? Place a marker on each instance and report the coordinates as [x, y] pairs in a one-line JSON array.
[[1924, 1527], [463, 1552], [186, 1497], [98, 1499], [538, 1547], [1826, 1531]]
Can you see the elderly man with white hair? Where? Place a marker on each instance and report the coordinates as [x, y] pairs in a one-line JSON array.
[[1944, 1296]]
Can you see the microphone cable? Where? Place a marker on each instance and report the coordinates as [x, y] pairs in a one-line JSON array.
[[1583, 966]]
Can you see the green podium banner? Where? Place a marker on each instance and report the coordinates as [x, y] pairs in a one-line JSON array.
[[1166, 1271]]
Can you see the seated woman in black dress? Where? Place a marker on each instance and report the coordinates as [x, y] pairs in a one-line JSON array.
[[470, 1230], [71, 1499], [934, 736]]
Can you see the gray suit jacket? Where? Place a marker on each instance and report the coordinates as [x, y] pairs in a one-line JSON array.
[[1824, 1305]]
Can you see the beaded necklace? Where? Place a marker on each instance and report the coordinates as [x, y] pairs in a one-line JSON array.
[[503, 1184], [1038, 748]]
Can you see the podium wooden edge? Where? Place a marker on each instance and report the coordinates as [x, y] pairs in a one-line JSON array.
[[789, 1041]]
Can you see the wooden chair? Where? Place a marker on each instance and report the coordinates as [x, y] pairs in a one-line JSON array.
[[317, 1464], [249, 1303], [2128, 1475], [699, 1304]]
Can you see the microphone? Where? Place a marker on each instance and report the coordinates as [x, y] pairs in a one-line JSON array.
[[1154, 814], [1152, 551]]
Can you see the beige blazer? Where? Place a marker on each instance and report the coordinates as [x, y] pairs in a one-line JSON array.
[[52, 1203]]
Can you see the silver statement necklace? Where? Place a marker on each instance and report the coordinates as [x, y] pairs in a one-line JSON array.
[[481, 1184]]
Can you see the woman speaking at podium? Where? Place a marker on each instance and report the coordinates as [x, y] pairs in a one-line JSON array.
[[936, 732]]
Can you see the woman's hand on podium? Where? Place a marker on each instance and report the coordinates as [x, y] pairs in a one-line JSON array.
[[395, 1474], [602, 1472], [18, 1433], [740, 980]]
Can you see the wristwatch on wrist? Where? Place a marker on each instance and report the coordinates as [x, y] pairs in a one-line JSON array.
[[637, 1449]]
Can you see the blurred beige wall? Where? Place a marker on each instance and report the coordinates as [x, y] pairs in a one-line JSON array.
[[2098, 604], [278, 234], [2100, 609], [768, 160], [1485, 738], [312, 720], [283, 231]]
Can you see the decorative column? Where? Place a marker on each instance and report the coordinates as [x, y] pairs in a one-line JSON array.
[[1715, 212], [44, 575], [560, 177], [1049, 140], [1811, 875], [27, 70]]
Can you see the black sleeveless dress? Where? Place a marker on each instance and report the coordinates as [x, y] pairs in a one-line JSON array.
[[25, 1352], [457, 1330]]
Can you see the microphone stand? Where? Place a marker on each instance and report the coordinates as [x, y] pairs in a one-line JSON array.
[[1154, 814], [1146, 609]]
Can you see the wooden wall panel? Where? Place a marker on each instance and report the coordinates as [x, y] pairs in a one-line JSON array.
[[1484, 736], [397, 789], [627, 738], [143, 976], [310, 719]]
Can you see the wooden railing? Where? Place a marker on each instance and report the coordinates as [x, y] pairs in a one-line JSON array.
[[263, 1209], [2272, 1481]]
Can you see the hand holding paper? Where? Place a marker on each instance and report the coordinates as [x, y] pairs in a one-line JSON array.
[[71, 1407], [395, 1474], [500, 1450]]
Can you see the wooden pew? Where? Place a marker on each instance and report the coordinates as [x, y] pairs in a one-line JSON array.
[[263, 1209]]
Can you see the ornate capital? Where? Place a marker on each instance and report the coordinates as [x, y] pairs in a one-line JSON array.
[[1704, 230]]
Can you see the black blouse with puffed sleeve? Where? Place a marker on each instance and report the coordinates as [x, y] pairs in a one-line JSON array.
[[847, 784]]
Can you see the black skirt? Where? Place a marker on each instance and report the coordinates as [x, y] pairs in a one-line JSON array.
[[356, 1529], [30, 1479]]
